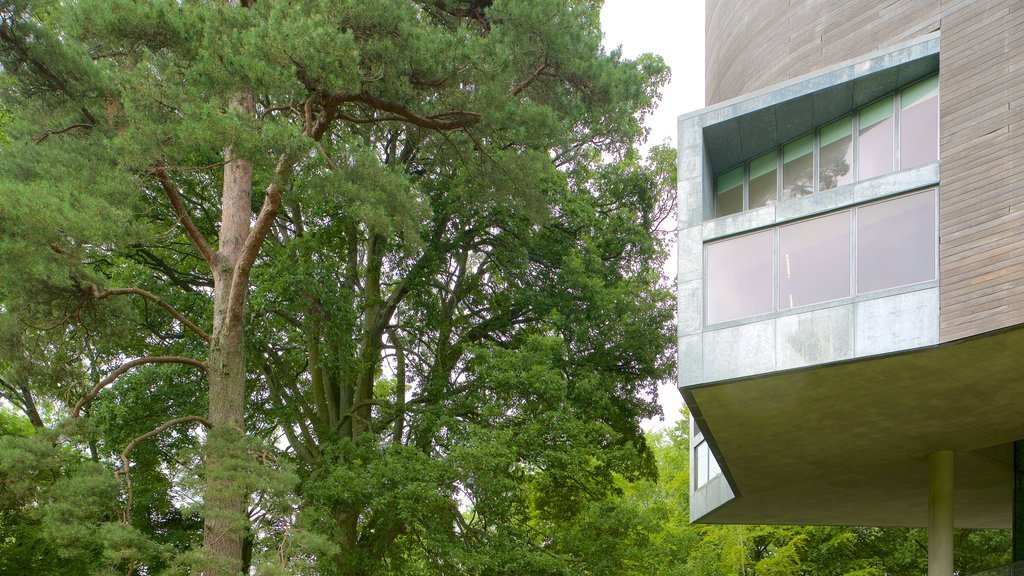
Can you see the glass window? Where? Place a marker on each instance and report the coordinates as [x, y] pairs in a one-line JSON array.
[[798, 168], [876, 139], [814, 260], [739, 277], [701, 467], [729, 192], [919, 123], [835, 161], [896, 242], [763, 180]]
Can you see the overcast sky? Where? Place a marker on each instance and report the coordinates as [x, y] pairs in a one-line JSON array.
[[673, 29]]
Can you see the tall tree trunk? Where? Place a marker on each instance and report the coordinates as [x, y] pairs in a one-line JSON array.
[[225, 500]]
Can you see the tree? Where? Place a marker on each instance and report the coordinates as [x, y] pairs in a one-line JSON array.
[[384, 230]]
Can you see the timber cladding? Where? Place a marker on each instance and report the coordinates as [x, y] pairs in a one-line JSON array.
[[753, 45], [981, 198]]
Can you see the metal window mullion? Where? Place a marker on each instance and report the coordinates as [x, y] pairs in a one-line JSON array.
[[855, 129], [897, 114], [815, 161]]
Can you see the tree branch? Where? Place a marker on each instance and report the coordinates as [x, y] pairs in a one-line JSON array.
[[42, 137], [191, 231], [530, 80], [452, 120], [139, 439], [124, 368], [154, 298]]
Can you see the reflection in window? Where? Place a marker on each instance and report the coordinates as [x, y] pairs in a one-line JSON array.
[[763, 180], [729, 196], [876, 139], [814, 260], [896, 242], [835, 163], [798, 168], [739, 277], [919, 124]]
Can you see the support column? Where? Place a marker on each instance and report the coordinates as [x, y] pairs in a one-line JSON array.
[[1018, 501], [940, 513]]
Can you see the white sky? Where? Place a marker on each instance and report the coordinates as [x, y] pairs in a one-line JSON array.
[[675, 30]]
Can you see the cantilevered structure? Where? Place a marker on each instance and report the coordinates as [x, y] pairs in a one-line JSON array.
[[851, 265]]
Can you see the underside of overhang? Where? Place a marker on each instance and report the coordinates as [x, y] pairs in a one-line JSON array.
[[847, 443]]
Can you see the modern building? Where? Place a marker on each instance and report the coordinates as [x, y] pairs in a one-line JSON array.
[[851, 265]]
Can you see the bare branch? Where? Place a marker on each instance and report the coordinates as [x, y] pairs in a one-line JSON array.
[[154, 298], [42, 137], [139, 439], [124, 368], [178, 204]]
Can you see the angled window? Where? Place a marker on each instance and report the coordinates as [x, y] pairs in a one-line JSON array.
[[835, 161], [798, 168], [729, 192], [875, 143], [764, 181], [919, 123]]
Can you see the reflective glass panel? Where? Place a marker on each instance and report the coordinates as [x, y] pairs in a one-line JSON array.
[[739, 277], [798, 168], [729, 192], [814, 260], [701, 471], [919, 123], [764, 180], [835, 164], [896, 242], [876, 139]]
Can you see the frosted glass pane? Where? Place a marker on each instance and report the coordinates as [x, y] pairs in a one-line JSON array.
[[797, 168], [739, 277], [763, 180], [835, 166], [919, 124], [729, 196], [896, 242], [876, 140], [814, 261]]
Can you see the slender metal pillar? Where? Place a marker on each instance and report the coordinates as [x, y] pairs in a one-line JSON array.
[[1018, 503], [940, 513]]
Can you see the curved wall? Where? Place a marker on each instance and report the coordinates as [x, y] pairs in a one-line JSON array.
[[752, 45]]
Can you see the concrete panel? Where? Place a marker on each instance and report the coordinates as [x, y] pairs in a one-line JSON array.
[[739, 351], [691, 306], [814, 204], [893, 323], [691, 360], [814, 337], [739, 222], [710, 496], [690, 254], [690, 208]]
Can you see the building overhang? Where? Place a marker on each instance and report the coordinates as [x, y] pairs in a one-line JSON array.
[[847, 443]]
